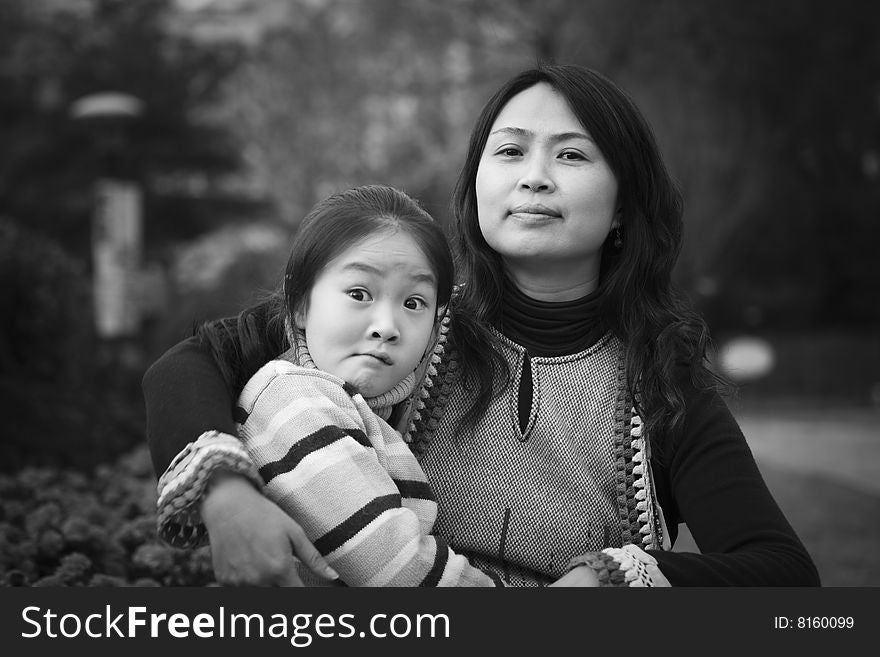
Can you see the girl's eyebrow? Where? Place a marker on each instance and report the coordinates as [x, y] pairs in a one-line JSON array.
[[528, 134], [421, 277]]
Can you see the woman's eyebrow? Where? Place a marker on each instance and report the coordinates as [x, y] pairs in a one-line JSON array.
[[528, 134]]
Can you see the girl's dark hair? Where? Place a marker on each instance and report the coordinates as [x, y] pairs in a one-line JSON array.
[[333, 225], [660, 332]]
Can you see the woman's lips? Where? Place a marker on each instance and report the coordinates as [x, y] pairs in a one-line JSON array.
[[534, 213], [535, 208]]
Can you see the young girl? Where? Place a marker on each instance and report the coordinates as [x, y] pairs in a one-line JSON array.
[[366, 283], [571, 422]]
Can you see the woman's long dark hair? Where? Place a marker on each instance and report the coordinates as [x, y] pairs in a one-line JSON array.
[[242, 344], [662, 335]]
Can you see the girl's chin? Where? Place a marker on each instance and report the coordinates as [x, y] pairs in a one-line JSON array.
[[368, 385]]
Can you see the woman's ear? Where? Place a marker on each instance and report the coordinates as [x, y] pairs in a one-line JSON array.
[[617, 220]]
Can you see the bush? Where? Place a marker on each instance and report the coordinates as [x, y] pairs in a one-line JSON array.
[[45, 299], [61, 527], [65, 399]]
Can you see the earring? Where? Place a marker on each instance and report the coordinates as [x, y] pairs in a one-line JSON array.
[[618, 240]]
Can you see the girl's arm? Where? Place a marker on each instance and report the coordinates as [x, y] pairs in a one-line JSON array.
[[186, 397]]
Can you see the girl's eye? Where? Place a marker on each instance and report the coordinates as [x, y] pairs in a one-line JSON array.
[[415, 303], [573, 156], [359, 294]]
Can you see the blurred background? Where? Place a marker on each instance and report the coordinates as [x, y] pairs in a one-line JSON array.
[[156, 156]]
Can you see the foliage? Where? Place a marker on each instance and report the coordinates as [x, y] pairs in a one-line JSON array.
[[65, 528], [790, 231], [52, 54], [64, 397], [45, 299], [766, 113]]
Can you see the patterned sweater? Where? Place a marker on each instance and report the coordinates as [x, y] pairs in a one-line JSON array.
[[580, 457]]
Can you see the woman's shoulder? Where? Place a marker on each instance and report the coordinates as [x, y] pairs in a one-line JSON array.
[[708, 418], [702, 392]]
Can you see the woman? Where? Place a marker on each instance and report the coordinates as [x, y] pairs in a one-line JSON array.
[[568, 422]]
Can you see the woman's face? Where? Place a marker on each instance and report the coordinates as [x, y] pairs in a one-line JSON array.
[[545, 194]]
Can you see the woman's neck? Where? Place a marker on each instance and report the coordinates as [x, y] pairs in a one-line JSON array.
[[550, 328], [550, 282]]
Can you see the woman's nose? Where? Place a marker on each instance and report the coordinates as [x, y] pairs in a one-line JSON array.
[[536, 176]]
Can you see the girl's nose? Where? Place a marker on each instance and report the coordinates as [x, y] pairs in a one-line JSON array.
[[387, 334], [383, 326]]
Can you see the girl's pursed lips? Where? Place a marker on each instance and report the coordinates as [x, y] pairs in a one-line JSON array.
[[378, 355]]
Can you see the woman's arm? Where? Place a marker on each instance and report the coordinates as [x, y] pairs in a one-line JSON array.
[[186, 397], [708, 478], [716, 488]]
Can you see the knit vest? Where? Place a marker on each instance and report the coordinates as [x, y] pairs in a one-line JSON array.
[[523, 503]]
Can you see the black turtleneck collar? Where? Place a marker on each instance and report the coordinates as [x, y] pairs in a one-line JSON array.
[[550, 328]]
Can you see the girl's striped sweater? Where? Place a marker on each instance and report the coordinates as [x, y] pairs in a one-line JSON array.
[[348, 479]]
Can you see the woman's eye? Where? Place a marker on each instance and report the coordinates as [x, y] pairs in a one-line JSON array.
[[509, 151], [415, 303], [359, 294], [572, 155]]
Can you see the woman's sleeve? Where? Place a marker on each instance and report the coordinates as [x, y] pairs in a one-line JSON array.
[[717, 490], [349, 481], [185, 395], [191, 434]]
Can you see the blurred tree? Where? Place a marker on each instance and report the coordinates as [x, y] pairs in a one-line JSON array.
[[62, 399], [338, 93], [68, 397], [52, 53], [800, 81]]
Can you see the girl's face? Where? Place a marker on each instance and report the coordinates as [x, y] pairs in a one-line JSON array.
[[545, 194], [371, 312]]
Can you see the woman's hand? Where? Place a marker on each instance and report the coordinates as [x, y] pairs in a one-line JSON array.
[[253, 542], [580, 576]]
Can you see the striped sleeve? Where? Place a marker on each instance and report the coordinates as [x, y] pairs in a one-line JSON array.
[[348, 479]]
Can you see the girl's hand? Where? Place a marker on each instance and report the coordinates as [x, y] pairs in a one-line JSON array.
[[253, 542], [580, 576]]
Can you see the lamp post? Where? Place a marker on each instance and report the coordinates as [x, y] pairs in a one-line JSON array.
[[116, 230]]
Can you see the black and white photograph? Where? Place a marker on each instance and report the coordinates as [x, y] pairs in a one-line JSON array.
[[424, 293]]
